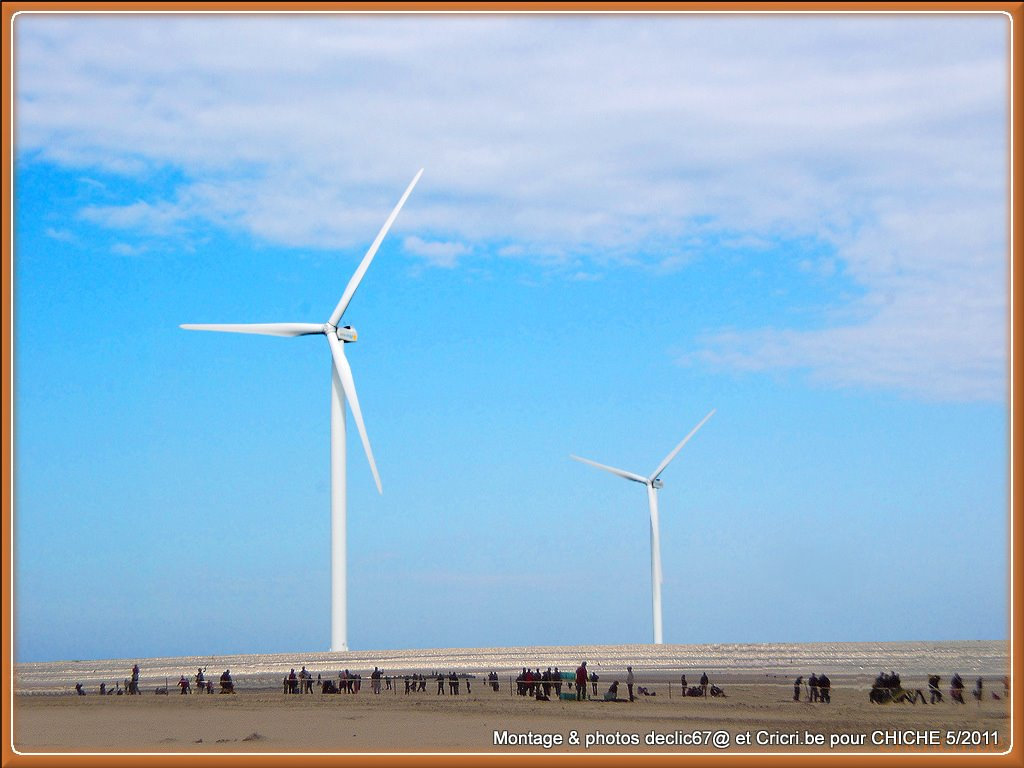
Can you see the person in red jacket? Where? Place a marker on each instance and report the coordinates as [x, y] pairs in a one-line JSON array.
[[581, 682]]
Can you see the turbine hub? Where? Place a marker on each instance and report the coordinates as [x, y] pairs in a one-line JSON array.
[[656, 483]]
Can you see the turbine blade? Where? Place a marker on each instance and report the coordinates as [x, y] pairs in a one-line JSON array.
[[620, 472], [263, 329], [348, 384], [661, 467], [350, 289]]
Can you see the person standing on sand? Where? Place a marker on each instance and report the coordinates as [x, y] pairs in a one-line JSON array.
[[933, 688], [704, 684], [629, 681], [956, 688], [581, 682], [796, 687], [307, 680], [825, 689]]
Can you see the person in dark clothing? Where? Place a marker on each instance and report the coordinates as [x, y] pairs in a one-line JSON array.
[[956, 688], [796, 687], [704, 684], [593, 681], [440, 684], [812, 683], [824, 689], [933, 688]]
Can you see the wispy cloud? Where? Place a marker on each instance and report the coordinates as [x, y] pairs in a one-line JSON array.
[[126, 249], [61, 235], [143, 217], [436, 253]]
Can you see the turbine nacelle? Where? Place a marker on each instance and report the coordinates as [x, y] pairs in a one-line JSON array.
[[346, 333], [656, 484]]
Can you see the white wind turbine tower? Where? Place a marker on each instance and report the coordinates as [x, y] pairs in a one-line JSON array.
[[653, 484], [342, 387]]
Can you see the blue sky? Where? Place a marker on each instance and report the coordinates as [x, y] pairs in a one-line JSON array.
[[624, 222]]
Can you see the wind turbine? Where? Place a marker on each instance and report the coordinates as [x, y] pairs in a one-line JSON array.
[[653, 484], [342, 387]]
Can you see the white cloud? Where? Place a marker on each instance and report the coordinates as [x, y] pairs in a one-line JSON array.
[[157, 219], [436, 253], [126, 249], [60, 235], [556, 138]]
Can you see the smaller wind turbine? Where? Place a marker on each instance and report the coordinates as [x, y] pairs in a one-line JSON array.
[[653, 484]]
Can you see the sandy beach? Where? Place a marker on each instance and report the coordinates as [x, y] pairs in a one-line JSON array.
[[426, 722], [757, 714]]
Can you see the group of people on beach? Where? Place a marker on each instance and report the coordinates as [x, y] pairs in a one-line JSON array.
[[819, 688], [351, 682], [704, 688], [543, 686], [888, 688], [956, 688], [540, 685], [532, 683], [184, 684], [203, 685], [302, 682]]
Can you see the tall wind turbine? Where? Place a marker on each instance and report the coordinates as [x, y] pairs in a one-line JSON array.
[[342, 387], [653, 484]]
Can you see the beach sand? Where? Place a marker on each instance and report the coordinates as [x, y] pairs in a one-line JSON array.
[[270, 721]]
